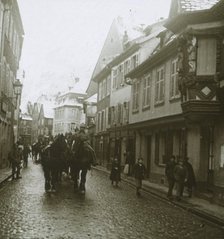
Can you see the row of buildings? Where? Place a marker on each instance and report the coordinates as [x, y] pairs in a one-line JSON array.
[[11, 41], [161, 93], [59, 114]]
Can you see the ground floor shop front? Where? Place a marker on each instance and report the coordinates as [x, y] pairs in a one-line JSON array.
[[202, 142]]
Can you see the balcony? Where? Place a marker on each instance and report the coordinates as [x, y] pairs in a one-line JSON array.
[[201, 110]]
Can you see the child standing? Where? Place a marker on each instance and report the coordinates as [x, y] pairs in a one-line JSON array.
[[139, 173], [115, 174]]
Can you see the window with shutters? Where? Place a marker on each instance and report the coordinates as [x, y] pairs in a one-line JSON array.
[[120, 76], [109, 116], [159, 90], [100, 91], [119, 114], [102, 120], [160, 148], [134, 61], [174, 89], [206, 56], [99, 120], [104, 88], [127, 66], [146, 91], [115, 78], [163, 146], [135, 97], [108, 84]]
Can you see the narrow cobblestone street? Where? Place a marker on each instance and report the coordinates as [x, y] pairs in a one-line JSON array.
[[26, 211]]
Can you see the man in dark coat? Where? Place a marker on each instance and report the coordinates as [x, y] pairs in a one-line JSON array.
[[139, 173], [180, 173], [191, 182], [84, 157], [169, 171], [26, 152]]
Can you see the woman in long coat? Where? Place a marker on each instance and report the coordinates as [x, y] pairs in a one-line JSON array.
[[190, 182], [115, 175]]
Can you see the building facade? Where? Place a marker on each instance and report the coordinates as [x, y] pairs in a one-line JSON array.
[[68, 112], [113, 137], [11, 41], [45, 121], [25, 128], [177, 96]]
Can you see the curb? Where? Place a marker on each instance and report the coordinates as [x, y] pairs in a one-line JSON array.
[[5, 179], [156, 193]]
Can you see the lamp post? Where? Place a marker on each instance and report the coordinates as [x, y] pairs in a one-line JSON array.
[[18, 92]]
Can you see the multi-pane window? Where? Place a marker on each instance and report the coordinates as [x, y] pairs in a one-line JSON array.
[[174, 90], [109, 116], [163, 146], [100, 90], [146, 90], [135, 101], [159, 91], [120, 78], [119, 114], [127, 66], [102, 121], [104, 88], [99, 120], [108, 84], [206, 56], [115, 76], [134, 61]]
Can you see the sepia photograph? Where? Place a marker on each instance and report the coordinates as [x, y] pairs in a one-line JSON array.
[[111, 119]]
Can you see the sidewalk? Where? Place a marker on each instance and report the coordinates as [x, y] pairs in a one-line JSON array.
[[200, 207], [5, 174]]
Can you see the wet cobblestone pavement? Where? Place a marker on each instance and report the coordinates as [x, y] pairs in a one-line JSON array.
[[26, 211]]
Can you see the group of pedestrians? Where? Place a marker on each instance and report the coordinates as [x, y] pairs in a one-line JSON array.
[[181, 174], [18, 158], [138, 172]]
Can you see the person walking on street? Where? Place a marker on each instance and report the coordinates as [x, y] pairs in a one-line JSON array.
[[115, 174], [10, 158], [139, 174], [190, 182], [16, 163], [180, 174], [169, 172], [26, 152]]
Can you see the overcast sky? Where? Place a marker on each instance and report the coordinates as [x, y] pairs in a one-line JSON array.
[[65, 37]]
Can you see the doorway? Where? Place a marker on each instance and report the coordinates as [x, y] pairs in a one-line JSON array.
[[148, 162]]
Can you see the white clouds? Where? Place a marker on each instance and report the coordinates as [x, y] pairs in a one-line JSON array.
[[66, 36]]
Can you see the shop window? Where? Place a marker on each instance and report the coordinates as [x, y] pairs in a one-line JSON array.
[[163, 147]]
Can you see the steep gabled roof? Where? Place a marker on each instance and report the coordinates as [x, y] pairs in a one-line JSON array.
[[113, 47]]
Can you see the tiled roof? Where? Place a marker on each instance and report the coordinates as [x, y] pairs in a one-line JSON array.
[[196, 5]]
